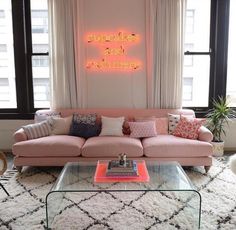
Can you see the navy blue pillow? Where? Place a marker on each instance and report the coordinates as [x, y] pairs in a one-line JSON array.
[[84, 130]]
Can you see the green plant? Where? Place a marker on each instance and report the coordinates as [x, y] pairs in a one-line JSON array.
[[218, 117]]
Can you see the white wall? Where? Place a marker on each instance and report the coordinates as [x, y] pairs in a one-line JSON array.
[[116, 88], [7, 128]]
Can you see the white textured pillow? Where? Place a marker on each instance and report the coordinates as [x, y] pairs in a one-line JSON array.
[[112, 126], [37, 130], [174, 120], [60, 126]]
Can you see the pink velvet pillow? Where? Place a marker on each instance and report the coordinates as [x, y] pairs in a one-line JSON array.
[[142, 129], [188, 128]]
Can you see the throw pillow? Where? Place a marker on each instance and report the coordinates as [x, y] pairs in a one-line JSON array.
[[84, 130], [39, 116], [161, 123], [143, 129], [112, 126], [85, 118], [174, 120], [37, 130], [188, 128], [60, 126]]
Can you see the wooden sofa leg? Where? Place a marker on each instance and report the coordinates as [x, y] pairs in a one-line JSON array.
[[207, 168]]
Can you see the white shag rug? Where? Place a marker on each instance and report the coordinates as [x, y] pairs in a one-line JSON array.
[[25, 207]]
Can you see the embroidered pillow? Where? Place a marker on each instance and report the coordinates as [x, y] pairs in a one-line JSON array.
[[188, 128], [84, 130], [174, 120], [40, 116], [37, 130], [112, 126], [161, 123], [142, 129], [60, 126], [85, 118]]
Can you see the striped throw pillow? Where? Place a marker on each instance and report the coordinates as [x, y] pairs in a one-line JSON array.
[[37, 130]]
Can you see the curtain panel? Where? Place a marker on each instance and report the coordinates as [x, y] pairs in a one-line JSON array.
[[66, 55], [165, 52]]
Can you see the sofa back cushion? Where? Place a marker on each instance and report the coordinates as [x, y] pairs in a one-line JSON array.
[[128, 113]]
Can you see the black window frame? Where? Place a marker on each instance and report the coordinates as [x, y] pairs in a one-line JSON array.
[[218, 53], [22, 36]]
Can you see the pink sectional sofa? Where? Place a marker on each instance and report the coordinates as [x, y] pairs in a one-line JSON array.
[[56, 150]]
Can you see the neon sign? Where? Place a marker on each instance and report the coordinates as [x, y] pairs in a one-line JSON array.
[[113, 48]]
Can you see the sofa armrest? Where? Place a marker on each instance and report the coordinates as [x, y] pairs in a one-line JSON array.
[[205, 134], [20, 135]]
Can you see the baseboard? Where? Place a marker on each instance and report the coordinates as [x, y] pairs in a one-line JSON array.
[[228, 149]]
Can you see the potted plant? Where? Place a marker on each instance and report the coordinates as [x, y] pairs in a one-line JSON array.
[[218, 118]]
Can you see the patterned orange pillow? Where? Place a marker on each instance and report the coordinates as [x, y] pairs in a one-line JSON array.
[[188, 128]]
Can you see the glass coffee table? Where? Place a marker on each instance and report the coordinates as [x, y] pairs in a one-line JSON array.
[[169, 193]]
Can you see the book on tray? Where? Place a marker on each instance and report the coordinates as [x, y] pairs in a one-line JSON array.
[[129, 168]]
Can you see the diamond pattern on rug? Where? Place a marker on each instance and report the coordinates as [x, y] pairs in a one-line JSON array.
[[130, 219], [25, 208], [71, 218], [155, 204], [104, 208]]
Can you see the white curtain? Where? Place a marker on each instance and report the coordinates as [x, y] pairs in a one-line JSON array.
[[66, 57], [165, 39]]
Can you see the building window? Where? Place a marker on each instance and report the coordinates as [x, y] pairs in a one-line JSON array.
[[197, 54], [7, 65], [2, 13], [3, 48], [190, 21], [231, 72], [187, 89]]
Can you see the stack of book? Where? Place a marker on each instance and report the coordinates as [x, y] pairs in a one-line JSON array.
[[115, 169]]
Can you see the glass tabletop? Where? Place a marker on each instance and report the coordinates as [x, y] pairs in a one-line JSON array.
[[75, 186], [79, 176]]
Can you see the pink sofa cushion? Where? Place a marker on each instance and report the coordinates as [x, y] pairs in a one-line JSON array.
[[172, 146], [58, 145], [111, 146]]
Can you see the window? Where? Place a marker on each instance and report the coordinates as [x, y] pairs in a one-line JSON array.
[[231, 72], [197, 54], [2, 13], [188, 89], [42, 91], [40, 62], [188, 60], [24, 81], [3, 48], [190, 21], [7, 66]]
